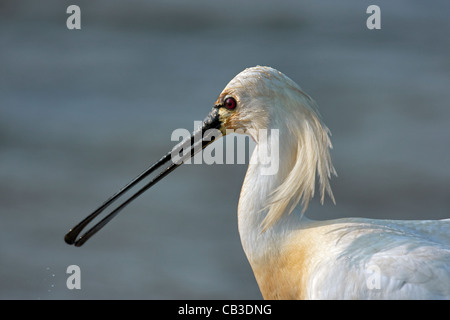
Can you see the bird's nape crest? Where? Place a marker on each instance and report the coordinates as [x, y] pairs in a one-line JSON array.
[[311, 157]]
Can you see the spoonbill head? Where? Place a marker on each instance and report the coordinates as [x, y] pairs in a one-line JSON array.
[[266, 99]]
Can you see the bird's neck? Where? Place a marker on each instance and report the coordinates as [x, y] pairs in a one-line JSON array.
[[301, 143], [257, 188]]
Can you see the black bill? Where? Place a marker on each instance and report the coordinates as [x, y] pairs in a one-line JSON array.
[[197, 142]]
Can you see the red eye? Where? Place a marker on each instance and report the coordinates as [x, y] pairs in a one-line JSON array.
[[230, 103]]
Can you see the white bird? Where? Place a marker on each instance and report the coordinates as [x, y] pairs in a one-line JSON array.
[[293, 257]]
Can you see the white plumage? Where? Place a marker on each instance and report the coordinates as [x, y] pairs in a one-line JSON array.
[[296, 258]]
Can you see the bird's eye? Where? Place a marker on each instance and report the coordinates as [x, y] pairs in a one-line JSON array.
[[230, 103]]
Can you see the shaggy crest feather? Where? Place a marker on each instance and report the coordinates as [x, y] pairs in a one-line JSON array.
[[310, 151]]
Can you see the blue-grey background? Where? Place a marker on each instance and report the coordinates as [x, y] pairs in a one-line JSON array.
[[82, 112]]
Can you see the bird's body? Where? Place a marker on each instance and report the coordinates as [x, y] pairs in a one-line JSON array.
[[352, 258]]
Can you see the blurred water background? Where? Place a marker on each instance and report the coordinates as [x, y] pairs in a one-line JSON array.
[[82, 112]]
